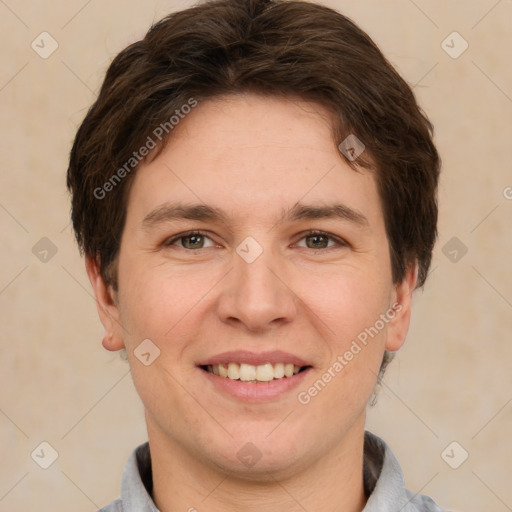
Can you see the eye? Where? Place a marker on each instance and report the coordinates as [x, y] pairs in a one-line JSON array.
[[190, 240], [193, 240], [321, 240]]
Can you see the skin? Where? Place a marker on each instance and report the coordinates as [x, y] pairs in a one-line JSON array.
[[254, 156]]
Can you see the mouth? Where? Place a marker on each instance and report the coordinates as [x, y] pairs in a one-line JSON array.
[[254, 377], [254, 374]]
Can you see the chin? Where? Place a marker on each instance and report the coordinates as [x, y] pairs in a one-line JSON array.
[[258, 457], [266, 466]]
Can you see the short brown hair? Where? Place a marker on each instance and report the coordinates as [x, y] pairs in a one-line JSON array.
[[285, 48]]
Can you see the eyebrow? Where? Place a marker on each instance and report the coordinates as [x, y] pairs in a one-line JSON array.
[[203, 212]]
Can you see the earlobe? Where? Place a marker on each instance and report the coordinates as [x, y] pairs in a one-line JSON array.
[[109, 343], [401, 305], [108, 310]]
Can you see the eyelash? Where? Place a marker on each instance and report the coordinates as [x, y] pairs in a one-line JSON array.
[[341, 243]]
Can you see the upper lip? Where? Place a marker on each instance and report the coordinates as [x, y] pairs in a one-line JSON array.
[[254, 358]]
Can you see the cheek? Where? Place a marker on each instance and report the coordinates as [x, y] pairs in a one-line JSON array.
[[156, 301], [350, 306], [346, 300]]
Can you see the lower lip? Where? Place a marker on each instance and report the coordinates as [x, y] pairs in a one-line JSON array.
[[255, 391]]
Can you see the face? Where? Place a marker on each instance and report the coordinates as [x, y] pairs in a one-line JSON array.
[[251, 244]]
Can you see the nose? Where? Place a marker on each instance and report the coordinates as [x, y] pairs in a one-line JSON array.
[[257, 294]]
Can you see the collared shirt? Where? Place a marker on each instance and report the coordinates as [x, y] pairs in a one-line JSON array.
[[383, 483]]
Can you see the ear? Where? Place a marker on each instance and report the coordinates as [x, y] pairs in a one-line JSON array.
[[106, 303], [401, 302]]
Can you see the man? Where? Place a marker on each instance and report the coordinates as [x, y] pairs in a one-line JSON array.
[[255, 193]]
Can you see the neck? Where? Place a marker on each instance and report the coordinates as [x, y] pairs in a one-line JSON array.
[[183, 482]]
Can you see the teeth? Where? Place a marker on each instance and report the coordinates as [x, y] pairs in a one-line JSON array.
[[265, 372], [246, 372], [278, 370], [223, 371], [233, 371], [250, 373]]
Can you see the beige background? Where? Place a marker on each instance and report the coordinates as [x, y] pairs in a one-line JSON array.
[[451, 381]]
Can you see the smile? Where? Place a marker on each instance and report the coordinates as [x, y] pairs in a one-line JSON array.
[[254, 373], [253, 390]]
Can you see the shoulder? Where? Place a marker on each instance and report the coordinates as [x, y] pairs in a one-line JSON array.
[[115, 506], [421, 503], [384, 481]]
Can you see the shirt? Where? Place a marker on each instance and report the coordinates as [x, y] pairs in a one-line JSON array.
[[383, 483]]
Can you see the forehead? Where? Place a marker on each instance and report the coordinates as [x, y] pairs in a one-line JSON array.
[[253, 156]]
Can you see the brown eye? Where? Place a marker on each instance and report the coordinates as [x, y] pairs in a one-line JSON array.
[[191, 240], [317, 241], [320, 240]]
